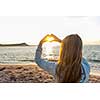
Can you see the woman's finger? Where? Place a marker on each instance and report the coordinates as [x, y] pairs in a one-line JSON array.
[[56, 38]]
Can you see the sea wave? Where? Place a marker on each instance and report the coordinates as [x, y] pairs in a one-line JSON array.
[[94, 60]]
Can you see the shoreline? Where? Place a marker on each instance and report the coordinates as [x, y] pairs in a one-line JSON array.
[[31, 73]]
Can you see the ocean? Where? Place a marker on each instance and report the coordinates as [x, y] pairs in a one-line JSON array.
[[25, 54]]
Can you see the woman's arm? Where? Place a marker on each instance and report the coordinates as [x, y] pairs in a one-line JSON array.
[[46, 65]]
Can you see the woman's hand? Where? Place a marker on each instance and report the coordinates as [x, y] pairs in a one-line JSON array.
[[51, 35], [56, 38], [44, 39]]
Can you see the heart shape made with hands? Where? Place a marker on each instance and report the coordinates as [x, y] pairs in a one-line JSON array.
[[51, 38]]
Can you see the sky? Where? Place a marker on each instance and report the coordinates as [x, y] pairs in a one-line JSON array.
[[31, 29]]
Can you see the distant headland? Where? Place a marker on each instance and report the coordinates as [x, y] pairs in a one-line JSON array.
[[19, 44]]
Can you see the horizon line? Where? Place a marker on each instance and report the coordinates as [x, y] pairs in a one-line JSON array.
[[30, 43]]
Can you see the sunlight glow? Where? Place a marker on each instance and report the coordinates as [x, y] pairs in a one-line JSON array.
[[51, 44], [49, 39], [49, 49]]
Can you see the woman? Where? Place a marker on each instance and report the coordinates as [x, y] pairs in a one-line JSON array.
[[71, 67]]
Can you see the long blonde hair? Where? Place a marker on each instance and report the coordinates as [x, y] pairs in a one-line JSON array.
[[69, 63]]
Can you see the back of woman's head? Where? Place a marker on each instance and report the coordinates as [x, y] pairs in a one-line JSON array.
[[69, 64]]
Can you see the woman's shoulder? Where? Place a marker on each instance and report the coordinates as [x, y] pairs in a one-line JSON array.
[[85, 70], [85, 64]]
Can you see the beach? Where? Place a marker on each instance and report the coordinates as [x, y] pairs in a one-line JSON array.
[[23, 73], [31, 73]]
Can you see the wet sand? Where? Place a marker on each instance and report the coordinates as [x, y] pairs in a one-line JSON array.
[[30, 73]]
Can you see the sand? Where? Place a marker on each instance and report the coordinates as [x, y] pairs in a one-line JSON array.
[[30, 73], [27, 73]]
